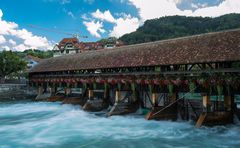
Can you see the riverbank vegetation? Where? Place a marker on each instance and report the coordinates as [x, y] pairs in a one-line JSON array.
[[11, 65]]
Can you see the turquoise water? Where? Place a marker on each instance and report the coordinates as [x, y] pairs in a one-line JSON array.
[[38, 124]]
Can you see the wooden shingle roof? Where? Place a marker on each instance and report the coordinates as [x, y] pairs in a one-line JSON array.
[[211, 47]]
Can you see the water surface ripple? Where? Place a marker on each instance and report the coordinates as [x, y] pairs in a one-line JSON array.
[[41, 124]]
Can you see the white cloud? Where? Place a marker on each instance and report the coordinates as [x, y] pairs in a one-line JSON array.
[[1, 14], [25, 39], [195, 6], [71, 14], [95, 28], [104, 16], [125, 25], [5, 48], [21, 47], [227, 6], [12, 42], [149, 9], [2, 39], [177, 1]]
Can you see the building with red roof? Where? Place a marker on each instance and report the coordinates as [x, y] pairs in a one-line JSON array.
[[72, 46]]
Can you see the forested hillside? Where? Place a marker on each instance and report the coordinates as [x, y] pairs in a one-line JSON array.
[[178, 26]]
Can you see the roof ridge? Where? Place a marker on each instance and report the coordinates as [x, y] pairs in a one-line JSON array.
[[183, 37], [159, 41]]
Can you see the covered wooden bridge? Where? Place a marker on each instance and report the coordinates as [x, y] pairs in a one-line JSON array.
[[155, 75]]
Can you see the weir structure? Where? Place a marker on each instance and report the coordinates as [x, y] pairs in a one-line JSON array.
[[159, 76]]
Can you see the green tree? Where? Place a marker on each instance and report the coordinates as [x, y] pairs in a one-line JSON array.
[[110, 40], [10, 63], [179, 26], [38, 53]]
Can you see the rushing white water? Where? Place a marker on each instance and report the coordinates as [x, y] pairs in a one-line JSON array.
[[38, 124]]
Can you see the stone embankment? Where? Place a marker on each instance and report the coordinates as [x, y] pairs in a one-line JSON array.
[[16, 92]]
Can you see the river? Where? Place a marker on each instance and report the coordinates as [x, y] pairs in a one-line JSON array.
[[41, 124]]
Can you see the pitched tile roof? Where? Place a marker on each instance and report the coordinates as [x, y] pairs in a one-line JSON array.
[[211, 47]]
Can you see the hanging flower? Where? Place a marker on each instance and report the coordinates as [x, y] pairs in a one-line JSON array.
[[140, 81], [73, 81], [156, 81], [100, 80], [161, 83], [205, 83], [166, 82], [78, 79], [149, 81], [111, 81], [123, 81], [90, 81], [185, 82], [83, 81], [131, 80], [177, 82]]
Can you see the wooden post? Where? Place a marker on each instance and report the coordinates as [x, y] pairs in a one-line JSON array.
[[173, 97], [67, 91], [154, 99], [106, 91], [90, 94], [206, 102], [118, 96], [53, 90], [40, 90], [228, 102]]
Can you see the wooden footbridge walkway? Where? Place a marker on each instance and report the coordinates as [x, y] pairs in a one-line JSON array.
[[151, 75]]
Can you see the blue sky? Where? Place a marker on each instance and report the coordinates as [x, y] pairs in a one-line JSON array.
[[94, 18]]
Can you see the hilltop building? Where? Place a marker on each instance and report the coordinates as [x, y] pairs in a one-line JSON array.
[[73, 46]]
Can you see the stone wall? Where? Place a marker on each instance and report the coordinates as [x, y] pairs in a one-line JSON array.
[[16, 92]]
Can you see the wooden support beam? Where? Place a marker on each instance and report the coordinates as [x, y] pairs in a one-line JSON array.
[[117, 96], [67, 91], [201, 120], [154, 99], [90, 94], [173, 97], [211, 65], [40, 90], [199, 65], [228, 103], [53, 90], [206, 103], [191, 67]]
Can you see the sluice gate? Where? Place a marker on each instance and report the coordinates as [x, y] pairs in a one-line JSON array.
[[158, 76]]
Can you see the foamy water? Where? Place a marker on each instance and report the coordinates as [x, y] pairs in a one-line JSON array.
[[38, 124]]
